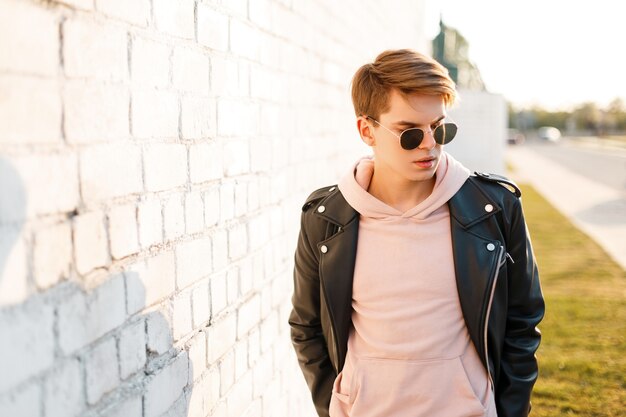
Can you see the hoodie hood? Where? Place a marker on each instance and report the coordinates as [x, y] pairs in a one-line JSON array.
[[449, 177]]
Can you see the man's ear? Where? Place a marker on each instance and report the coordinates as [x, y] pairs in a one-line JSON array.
[[365, 130]]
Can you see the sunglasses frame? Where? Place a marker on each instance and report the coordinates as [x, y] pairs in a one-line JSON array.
[[431, 131]]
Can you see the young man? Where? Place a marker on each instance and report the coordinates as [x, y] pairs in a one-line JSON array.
[[416, 292]]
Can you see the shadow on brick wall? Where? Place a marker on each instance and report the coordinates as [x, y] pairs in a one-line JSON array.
[[87, 353]]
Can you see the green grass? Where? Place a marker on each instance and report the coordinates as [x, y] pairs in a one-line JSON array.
[[582, 356]]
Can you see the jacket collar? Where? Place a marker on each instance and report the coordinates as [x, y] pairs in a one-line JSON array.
[[468, 206]]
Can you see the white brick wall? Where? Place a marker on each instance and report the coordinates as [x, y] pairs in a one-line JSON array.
[[154, 156]]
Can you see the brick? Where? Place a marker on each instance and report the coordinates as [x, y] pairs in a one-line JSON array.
[[24, 402], [194, 213], [237, 242], [220, 249], [221, 337], [253, 195], [227, 372], [110, 170], [241, 199], [211, 207], [227, 201], [92, 50], [132, 346], [123, 231], [237, 117], [181, 322], [190, 71], [52, 254], [150, 63], [254, 346], [262, 374], [198, 118], [95, 112], [175, 17], [241, 358], [150, 221], [232, 285], [166, 387], [159, 332], [200, 305], [240, 396], [193, 261], [165, 166], [29, 328], [212, 28], [205, 162], [135, 12], [259, 227], [212, 393], [101, 373], [260, 13], [130, 407], [154, 114], [174, 217], [248, 316], [14, 281], [218, 293], [229, 77], [197, 356], [272, 405], [244, 41], [64, 390], [236, 157], [84, 318], [42, 122], [90, 242], [269, 331], [196, 398], [25, 50], [260, 155], [150, 281], [246, 276]]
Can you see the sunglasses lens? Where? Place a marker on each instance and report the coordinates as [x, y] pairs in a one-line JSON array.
[[411, 138], [445, 133]]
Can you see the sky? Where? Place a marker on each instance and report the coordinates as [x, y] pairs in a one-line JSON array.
[[552, 53]]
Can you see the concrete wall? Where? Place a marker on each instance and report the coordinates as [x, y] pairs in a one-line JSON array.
[[482, 118], [154, 155]]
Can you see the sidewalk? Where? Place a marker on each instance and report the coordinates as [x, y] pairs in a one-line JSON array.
[[596, 209]]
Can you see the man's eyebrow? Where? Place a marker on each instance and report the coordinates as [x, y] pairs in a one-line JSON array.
[[411, 124]]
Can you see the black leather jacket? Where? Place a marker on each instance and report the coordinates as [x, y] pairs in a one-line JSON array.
[[496, 275]]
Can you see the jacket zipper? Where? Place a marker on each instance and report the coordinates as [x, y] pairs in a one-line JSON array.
[[493, 289], [335, 345]]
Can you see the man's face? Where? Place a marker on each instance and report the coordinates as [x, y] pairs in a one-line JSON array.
[[416, 110]]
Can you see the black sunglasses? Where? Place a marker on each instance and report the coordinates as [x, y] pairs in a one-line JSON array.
[[412, 137]]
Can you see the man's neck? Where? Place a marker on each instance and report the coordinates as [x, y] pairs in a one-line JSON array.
[[399, 193]]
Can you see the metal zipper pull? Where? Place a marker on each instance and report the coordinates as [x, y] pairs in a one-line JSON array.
[[510, 257]]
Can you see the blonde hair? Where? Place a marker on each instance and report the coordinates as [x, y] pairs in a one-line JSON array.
[[405, 70]]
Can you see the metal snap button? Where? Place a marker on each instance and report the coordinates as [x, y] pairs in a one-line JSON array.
[[489, 208], [324, 248], [490, 247], [332, 189], [321, 209]]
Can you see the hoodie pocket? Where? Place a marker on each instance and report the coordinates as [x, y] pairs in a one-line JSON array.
[[397, 388]]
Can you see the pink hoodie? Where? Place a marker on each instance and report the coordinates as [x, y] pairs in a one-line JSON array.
[[409, 352]]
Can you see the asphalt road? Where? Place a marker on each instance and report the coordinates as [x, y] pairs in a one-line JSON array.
[[606, 165]]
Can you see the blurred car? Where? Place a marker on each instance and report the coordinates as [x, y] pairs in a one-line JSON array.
[[549, 133], [515, 137]]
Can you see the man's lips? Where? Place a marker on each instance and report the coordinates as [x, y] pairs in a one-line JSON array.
[[428, 158]]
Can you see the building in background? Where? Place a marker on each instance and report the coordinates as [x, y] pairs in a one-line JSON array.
[[482, 116]]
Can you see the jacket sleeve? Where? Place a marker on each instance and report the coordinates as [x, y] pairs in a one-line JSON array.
[[518, 367], [306, 329]]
